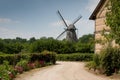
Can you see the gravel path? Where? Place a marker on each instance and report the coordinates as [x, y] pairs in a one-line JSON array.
[[61, 71]]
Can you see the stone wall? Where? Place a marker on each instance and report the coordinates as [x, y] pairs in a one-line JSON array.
[[100, 26]]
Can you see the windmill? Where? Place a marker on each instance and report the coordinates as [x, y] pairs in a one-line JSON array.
[[70, 29]]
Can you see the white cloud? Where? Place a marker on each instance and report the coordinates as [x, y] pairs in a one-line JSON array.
[[7, 20], [7, 33], [85, 27], [91, 5], [59, 23]]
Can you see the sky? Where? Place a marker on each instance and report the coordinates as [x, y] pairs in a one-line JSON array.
[[39, 18]]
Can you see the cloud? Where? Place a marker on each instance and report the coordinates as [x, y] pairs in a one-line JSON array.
[[12, 34], [91, 5], [7, 33], [7, 20], [85, 26], [59, 23]]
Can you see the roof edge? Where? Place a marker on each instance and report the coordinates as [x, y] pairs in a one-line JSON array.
[[100, 4]]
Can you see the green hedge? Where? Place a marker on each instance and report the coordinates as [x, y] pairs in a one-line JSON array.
[[14, 58], [44, 56], [75, 57]]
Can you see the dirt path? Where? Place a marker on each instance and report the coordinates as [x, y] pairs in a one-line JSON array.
[[61, 71]]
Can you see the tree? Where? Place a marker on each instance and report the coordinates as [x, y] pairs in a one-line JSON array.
[[32, 39], [86, 38], [2, 45], [85, 44], [18, 39], [113, 20]]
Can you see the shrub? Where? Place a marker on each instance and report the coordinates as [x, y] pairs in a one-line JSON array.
[[31, 65], [91, 65], [75, 57], [95, 64], [23, 64], [6, 71], [49, 56], [42, 63], [3, 73], [18, 69], [37, 65], [13, 58], [110, 60], [44, 56], [96, 59]]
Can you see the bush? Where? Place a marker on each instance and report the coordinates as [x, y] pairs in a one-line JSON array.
[[95, 64], [91, 65], [96, 59], [13, 58], [110, 60], [6, 71], [75, 57], [23, 63], [44, 56]]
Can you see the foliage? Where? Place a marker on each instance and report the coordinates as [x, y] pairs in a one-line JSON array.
[[19, 45], [85, 44], [13, 58], [6, 71], [108, 61], [91, 65], [10, 46], [95, 63], [44, 56], [86, 38], [84, 48], [75, 57], [96, 59], [112, 20], [22, 63], [52, 45], [49, 56], [44, 44]]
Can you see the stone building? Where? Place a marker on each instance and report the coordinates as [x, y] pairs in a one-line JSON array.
[[99, 15]]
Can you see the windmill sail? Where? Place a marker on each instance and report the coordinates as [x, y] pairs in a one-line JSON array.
[[70, 31], [61, 34], [77, 19], [62, 18]]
